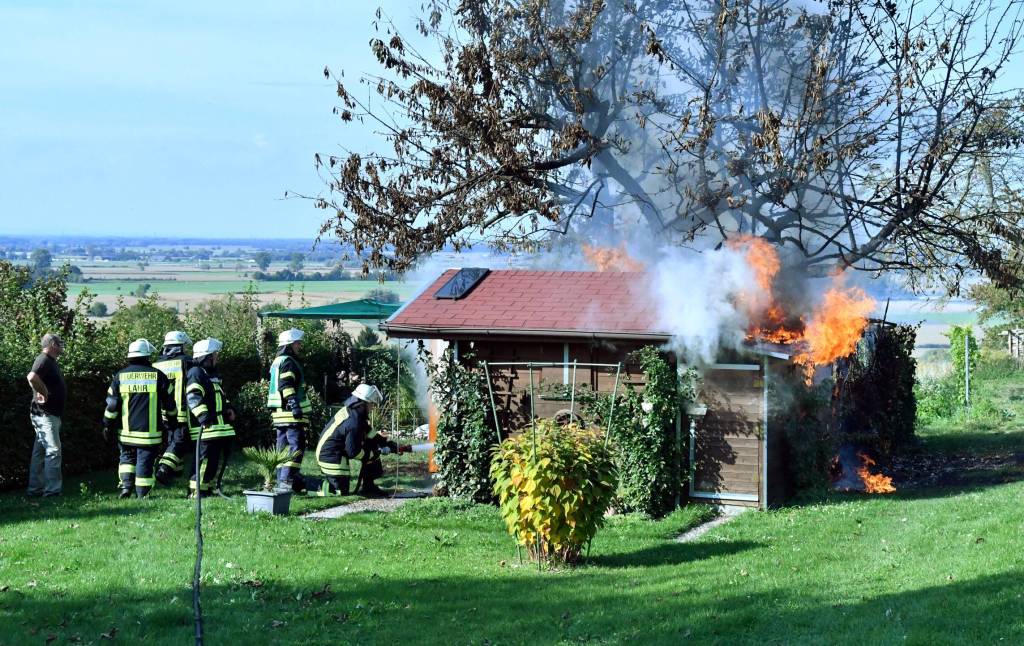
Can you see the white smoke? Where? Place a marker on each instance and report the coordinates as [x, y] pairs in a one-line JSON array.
[[697, 296]]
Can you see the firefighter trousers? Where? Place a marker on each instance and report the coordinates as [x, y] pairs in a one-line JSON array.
[[135, 468], [365, 472], [209, 465], [293, 437], [180, 448]]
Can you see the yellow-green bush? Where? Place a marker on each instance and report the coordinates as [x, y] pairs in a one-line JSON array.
[[554, 499]]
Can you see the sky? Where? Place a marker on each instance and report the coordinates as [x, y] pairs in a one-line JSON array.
[[168, 119], [179, 119]]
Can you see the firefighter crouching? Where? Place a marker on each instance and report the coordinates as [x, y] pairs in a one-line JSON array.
[[139, 404], [349, 448], [211, 413], [289, 407], [175, 362]]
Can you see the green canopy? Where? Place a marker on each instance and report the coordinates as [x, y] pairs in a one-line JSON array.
[[361, 310]]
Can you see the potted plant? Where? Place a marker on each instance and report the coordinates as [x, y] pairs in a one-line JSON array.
[[267, 462]]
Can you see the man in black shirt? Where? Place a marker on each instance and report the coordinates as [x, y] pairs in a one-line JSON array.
[[47, 409]]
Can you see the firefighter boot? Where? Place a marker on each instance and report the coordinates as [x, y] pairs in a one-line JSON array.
[[164, 475]]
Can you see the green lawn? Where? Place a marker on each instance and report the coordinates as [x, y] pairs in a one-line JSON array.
[[922, 566], [930, 567]]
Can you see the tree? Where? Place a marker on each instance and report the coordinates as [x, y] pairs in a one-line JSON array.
[[367, 338], [383, 295], [98, 309], [141, 290], [262, 260], [856, 137], [296, 261], [40, 260]]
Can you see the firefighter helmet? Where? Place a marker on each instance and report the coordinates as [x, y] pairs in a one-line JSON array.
[[289, 337], [176, 337], [140, 348], [206, 347], [367, 393]]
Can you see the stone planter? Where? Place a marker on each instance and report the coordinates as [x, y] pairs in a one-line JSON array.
[[696, 410], [274, 502]]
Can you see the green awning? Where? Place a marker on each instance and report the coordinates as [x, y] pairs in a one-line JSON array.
[[360, 310]]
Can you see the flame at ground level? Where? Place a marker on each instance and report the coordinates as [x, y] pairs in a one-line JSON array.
[[873, 483]]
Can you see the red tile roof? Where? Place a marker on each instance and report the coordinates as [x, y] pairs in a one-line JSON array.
[[554, 303]]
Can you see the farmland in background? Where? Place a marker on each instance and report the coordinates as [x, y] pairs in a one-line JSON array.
[[184, 285]]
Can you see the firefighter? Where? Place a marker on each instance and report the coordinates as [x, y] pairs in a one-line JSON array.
[[289, 407], [175, 362], [140, 397], [211, 415], [349, 447]]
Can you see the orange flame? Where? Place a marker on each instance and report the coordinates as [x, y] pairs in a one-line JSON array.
[[873, 483], [836, 327], [762, 258], [611, 258]]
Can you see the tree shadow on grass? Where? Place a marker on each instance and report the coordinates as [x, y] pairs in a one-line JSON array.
[[520, 607], [670, 553]]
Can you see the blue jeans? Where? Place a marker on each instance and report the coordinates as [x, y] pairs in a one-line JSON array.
[[44, 477]]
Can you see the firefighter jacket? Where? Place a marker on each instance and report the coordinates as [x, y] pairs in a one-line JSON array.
[[140, 396], [207, 404], [348, 436], [174, 363], [286, 397]]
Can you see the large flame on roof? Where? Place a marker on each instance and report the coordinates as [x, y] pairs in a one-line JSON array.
[[829, 332], [611, 258]]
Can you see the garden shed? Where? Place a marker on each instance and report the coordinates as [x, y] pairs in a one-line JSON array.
[[559, 320]]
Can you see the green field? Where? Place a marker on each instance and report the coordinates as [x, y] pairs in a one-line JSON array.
[[235, 285]]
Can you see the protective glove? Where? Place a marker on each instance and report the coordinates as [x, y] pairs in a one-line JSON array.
[[108, 434], [295, 407], [391, 447]]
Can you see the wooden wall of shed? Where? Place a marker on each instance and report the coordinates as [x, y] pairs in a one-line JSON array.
[[512, 385], [728, 448]]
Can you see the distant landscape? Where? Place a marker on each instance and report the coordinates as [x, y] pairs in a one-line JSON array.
[[185, 272]]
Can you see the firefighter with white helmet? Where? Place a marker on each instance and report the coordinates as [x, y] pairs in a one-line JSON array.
[[210, 413], [350, 448], [140, 405], [175, 362], [289, 406]]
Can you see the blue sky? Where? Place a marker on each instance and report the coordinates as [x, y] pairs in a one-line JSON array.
[[168, 119], [173, 118]]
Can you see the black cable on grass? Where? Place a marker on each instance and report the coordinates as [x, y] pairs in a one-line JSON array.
[[197, 610]]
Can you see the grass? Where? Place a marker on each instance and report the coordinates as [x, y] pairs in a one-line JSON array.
[[927, 566]]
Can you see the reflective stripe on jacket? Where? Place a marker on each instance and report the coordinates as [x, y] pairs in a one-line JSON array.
[[141, 398], [207, 404], [175, 365], [287, 392]]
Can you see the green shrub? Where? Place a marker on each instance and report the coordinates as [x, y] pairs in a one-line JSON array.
[[963, 350], [810, 441], [554, 489], [878, 401], [648, 457], [465, 438]]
